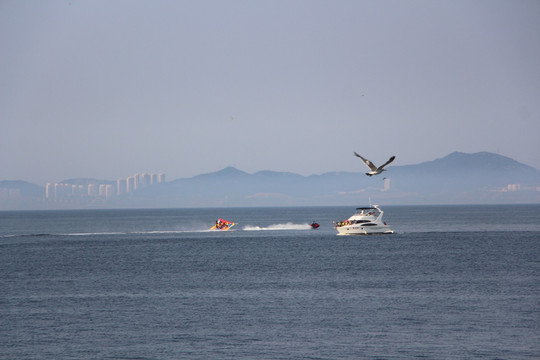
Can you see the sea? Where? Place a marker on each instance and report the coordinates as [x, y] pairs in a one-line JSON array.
[[453, 282]]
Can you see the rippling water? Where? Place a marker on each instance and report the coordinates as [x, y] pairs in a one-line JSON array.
[[453, 282]]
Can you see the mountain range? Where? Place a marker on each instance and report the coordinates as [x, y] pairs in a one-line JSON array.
[[458, 178]]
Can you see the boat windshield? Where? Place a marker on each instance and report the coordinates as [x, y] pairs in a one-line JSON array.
[[368, 211]]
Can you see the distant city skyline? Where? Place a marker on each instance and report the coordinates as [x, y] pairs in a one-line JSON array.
[[97, 89], [79, 193]]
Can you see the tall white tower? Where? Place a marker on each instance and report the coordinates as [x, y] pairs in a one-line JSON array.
[[49, 191], [130, 184], [386, 184], [121, 185], [145, 179]]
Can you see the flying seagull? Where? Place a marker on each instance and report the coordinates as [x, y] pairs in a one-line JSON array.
[[374, 170]]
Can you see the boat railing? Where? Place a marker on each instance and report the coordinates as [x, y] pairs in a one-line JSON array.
[[350, 222]]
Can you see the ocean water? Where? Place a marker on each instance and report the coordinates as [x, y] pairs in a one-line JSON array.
[[453, 282]]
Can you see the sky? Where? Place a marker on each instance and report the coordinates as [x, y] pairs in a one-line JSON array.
[[106, 89]]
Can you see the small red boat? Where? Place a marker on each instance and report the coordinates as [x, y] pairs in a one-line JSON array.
[[314, 225]]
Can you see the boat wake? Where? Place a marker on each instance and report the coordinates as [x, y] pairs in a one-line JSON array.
[[86, 234], [287, 226], [273, 227], [149, 232]]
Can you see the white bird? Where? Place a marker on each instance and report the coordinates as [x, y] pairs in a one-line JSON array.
[[374, 169]]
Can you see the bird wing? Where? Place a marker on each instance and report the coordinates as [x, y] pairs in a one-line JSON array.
[[367, 162], [388, 162]]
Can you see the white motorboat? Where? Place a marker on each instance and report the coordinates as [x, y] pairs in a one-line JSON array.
[[365, 221]]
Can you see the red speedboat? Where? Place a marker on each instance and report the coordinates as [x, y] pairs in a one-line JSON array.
[[314, 225]]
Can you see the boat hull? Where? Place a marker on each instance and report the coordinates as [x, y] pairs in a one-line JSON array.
[[364, 230]]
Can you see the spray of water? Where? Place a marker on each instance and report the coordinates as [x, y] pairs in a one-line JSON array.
[[287, 226]]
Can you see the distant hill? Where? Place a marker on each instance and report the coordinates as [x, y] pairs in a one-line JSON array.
[[479, 164], [24, 188], [458, 178], [19, 194], [479, 177]]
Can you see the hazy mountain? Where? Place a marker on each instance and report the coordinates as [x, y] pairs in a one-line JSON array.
[[23, 188], [458, 178], [491, 168], [20, 194], [464, 172]]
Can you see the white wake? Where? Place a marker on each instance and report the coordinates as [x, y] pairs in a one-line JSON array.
[[287, 226]]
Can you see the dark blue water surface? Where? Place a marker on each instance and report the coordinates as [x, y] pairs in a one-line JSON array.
[[454, 282]]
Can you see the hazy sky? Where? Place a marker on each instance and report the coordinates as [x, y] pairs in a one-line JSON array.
[[106, 89]]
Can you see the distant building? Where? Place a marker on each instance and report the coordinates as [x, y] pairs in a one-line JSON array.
[[513, 187], [49, 191], [62, 190], [109, 191], [136, 181], [87, 192], [386, 184], [6, 193], [145, 180], [161, 178], [121, 185], [106, 191], [79, 190], [92, 190], [130, 184]]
